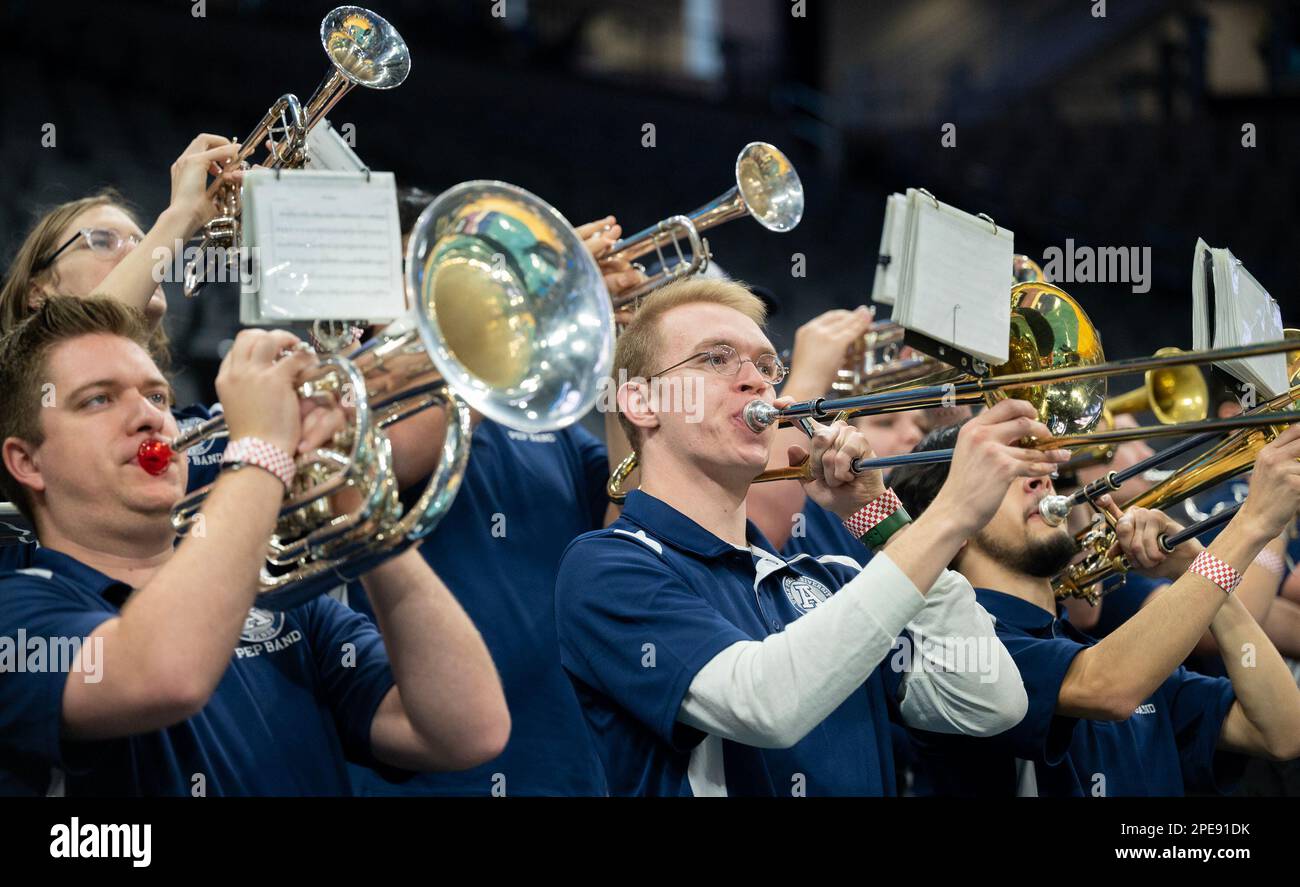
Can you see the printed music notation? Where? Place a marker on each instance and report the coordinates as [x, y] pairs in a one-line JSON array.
[[328, 246]]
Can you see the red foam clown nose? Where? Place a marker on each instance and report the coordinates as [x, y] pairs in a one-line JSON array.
[[154, 456]]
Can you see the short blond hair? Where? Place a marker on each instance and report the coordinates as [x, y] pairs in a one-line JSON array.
[[637, 353]]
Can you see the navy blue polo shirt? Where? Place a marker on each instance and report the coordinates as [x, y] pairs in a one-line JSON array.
[[523, 499], [1124, 597], [644, 604], [285, 714], [17, 542], [1166, 747], [822, 532]]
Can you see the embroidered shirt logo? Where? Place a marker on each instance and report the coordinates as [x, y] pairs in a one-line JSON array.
[[1146, 708], [804, 593], [531, 436], [261, 625]]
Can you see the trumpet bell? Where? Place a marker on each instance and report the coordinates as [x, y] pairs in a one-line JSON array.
[[767, 189], [1049, 329], [769, 186], [510, 304], [364, 47]]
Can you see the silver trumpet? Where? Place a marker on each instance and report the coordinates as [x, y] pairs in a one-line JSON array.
[[364, 50], [767, 188]]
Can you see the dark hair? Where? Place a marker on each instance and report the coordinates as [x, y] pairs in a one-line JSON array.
[[917, 485], [24, 351], [411, 201]]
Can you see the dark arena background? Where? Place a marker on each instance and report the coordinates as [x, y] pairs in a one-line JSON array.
[[1125, 128], [1117, 131]]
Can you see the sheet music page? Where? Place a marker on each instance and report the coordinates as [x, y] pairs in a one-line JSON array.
[[329, 245], [893, 235], [1202, 334], [1247, 315], [959, 280], [326, 150]]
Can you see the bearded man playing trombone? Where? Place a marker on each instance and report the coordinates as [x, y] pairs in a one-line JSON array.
[[1120, 716], [177, 687], [705, 663]]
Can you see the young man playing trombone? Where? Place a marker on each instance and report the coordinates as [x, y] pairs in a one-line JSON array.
[[708, 665], [175, 686], [1120, 716]]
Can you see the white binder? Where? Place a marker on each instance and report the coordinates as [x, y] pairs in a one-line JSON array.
[[947, 274]]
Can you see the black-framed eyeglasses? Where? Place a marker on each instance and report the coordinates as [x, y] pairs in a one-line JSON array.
[[726, 361], [104, 242]]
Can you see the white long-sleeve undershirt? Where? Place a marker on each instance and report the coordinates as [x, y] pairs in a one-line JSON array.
[[771, 693]]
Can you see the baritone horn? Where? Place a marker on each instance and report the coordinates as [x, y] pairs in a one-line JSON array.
[[767, 188], [364, 50], [510, 317]]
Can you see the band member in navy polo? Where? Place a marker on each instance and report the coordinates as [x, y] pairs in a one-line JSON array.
[[174, 685], [524, 497], [1120, 716], [1125, 595], [705, 663]]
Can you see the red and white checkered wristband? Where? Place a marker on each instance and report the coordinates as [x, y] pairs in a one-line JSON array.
[[267, 456], [875, 513], [1272, 562], [1216, 571]]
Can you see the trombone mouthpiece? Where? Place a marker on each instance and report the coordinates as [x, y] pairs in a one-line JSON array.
[[1054, 509], [759, 414]]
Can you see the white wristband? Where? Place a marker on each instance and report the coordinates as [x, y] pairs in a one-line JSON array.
[[267, 456]]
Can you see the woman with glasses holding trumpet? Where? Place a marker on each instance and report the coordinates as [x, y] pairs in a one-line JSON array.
[[96, 245]]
